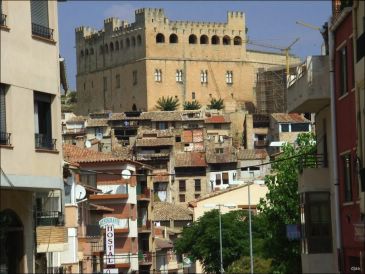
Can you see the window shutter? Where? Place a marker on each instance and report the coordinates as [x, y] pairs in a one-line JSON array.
[[2, 109], [39, 10]]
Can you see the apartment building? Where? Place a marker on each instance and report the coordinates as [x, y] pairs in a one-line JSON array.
[[129, 66], [31, 202]]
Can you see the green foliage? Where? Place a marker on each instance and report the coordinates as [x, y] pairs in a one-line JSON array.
[[281, 206], [216, 104], [68, 101], [242, 265], [192, 105], [167, 104], [200, 241]]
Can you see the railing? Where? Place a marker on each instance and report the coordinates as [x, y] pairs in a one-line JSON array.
[[144, 224], [144, 257], [44, 142], [260, 143], [313, 161], [93, 230], [98, 246], [49, 218], [74, 131], [5, 138], [3, 20], [152, 156], [42, 31]]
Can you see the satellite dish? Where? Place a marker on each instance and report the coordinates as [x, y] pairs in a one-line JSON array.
[[80, 192], [126, 174], [88, 144]]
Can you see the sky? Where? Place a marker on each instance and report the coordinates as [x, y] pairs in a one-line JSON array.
[[268, 22]]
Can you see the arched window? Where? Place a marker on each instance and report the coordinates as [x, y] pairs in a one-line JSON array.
[[128, 43], [82, 53], [226, 40], [116, 45], [86, 52], [139, 40], [192, 39], [204, 39], [134, 107], [160, 38], [133, 41], [237, 40], [173, 38], [215, 40], [111, 46], [106, 48]]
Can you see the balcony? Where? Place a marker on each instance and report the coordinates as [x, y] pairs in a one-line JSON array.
[[5, 138], [49, 218], [144, 258], [93, 231], [144, 226], [308, 90], [144, 194], [260, 143], [3, 20], [51, 238], [44, 142], [152, 156], [42, 31], [314, 174], [98, 246], [72, 131], [121, 260]]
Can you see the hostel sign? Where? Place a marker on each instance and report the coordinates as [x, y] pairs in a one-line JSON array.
[[109, 244]]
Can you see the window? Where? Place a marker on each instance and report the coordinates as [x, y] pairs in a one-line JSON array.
[[343, 70], [215, 40], [300, 127], [177, 139], [135, 78], [192, 39], [158, 75], [237, 41], [139, 40], [226, 40], [117, 81], [88, 178], [196, 196], [179, 74], [160, 38], [219, 150], [217, 126], [173, 38], [43, 121], [225, 178], [229, 77], [197, 185], [316, 228], [182, 185], [204, 39], [204, 76], [40, 21], [218, 180], [133, 41], [4, 136], [284, 127], [346, 162], [162, 125], [193, 95], [182, 198]]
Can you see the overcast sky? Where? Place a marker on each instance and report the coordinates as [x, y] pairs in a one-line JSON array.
[[268, 22]]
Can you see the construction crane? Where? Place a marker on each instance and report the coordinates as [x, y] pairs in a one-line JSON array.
[[323, 31], [286, 50]]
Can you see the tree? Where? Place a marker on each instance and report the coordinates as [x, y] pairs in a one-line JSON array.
[[242, 265], [192, 105], [200, 240], [167, 104], [280, 207], [216, 104]]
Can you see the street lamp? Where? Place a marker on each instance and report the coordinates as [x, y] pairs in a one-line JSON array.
[[231, 206]]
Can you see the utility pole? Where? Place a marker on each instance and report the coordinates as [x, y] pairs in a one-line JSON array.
[[220, 238], [250, 228]]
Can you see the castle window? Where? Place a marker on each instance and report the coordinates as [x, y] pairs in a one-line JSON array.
[[82, 53], [117, 45], [134, 107], [173, 38], [111, 46], [229, 77], [158, 75], [106, 48], [193, 95], [204, 39], [237, 41], [86, 52], [226, 40], [134, 77], [139, 40], [204, 76], [192, 39], [160, 38], [179, 76], [128, 43], [133, 42], [92, 51], [215, 40]]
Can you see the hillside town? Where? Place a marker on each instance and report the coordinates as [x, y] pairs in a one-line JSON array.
[[181, 149]]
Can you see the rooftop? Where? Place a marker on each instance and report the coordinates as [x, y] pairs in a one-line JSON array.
[[289, 118], [251, 154], [221, 119], [167, 211], [190, 159]]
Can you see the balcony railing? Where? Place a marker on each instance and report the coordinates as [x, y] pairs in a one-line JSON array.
[[42, 31], [144, 257], [260, 143], [3, 20], [93, 230], [74, 131], [44, 142], [313, 161], [49, 218], [5, 138], [144, 224], [98, 246]]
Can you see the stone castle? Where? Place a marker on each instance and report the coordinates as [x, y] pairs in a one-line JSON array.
[[126, 67]]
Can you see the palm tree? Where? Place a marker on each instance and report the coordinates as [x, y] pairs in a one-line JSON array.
[[192, 105], [167, 104], [216, 104]]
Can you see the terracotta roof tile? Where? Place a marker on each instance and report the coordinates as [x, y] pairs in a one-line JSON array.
[[152, 142], [251, 154], [162, 116], [96, 122], [76, 119], [163, 243], [190, 159], [219, 119], [166, 211], [289, 118]]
